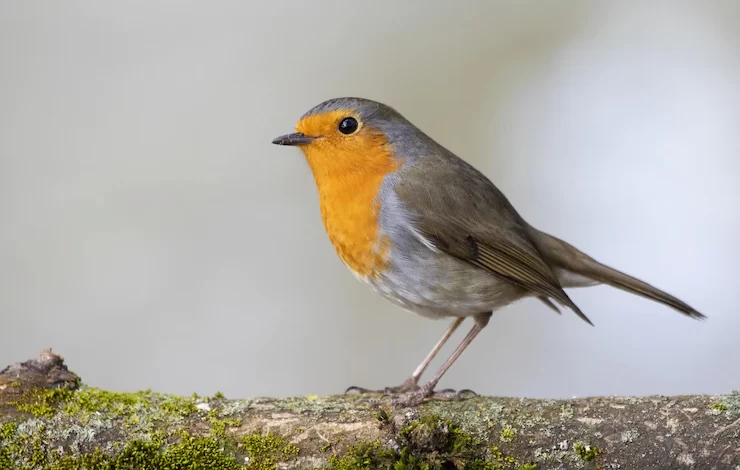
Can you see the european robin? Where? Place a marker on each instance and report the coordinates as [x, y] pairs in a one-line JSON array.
[[433, 235]]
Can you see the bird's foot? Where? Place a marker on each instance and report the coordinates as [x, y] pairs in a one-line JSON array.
[[411, 399], [405, 396], [409, 385]]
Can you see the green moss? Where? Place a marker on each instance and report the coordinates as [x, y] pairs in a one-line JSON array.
[[429, 443], [220, 425], [529, 466], [7, 432], [190, 453], [502, 458], [6, 459], [186, 452], [45, 403], [264, 452], [141, 415], [365, 456], [38, 454], [115, 404], [719, 406], [16, 446], [180, 406], [42, 402], [218, 428], [507, 434], [436, 432], [586, 452], [8, 448]]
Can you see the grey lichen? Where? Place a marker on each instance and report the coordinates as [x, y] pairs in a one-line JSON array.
[[630, 435], [94, 429], [74, 426]]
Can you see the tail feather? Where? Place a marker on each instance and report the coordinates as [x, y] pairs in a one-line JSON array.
[[564, 256], [549, 304]]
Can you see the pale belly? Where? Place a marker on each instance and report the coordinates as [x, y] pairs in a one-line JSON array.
[[438, 286]]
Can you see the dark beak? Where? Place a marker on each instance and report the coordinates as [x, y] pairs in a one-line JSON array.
[[293, 139]]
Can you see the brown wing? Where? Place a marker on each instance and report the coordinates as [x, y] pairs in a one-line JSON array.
[[465, 215], [523, 268]]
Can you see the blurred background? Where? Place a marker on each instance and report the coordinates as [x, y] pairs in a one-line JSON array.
[[152, 234]]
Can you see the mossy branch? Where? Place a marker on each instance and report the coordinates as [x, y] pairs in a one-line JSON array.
[[49, 420]]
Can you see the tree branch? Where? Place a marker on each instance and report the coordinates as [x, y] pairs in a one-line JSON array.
[[50, 420]]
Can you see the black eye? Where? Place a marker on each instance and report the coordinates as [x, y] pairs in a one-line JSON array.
[[348, 125]]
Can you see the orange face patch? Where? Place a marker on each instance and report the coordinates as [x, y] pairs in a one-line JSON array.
[[349, 170]]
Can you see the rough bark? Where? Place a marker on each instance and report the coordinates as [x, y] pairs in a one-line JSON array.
[[49, 419]]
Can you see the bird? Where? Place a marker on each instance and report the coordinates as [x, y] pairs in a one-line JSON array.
[[430, 233]]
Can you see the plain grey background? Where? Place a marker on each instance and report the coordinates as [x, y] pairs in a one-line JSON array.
[[152, 235]]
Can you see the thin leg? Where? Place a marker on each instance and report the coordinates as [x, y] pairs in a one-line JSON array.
[[413, 399], [411, 384], [427, 360]]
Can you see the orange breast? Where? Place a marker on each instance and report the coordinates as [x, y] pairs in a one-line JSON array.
[[348, 176], [350, 215]]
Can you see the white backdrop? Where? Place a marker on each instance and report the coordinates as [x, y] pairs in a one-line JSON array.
[[152, 235]]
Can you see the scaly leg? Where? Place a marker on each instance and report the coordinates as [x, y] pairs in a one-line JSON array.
[[412, 383], [427, 391]]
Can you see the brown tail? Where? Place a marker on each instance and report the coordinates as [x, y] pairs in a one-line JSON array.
[[560, 254]]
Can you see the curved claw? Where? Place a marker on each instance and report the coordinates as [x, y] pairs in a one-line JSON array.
[[362, 390], [451, 395], [415, 398], [450, 392], [369, 401], [407, 395], [405, 387]]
